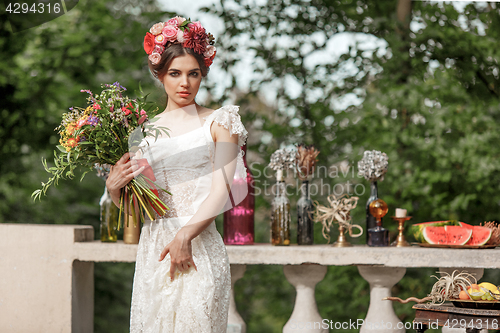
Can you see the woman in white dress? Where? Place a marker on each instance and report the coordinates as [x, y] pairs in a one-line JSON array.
[[182, 277]]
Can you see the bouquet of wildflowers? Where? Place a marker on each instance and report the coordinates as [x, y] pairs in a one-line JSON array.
[[111, 125]]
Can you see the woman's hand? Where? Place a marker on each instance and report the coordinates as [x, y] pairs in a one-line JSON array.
[[122, 173], [181, 256]]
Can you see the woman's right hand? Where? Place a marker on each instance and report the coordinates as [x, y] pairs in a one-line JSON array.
[[121, 174]]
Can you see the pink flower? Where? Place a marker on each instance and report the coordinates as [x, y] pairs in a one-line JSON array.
[[112, 108], [180, 36], [157, 28], [143, 112], [142, 119], [173, 22], [170, 33], [160, 39], [81, 122], [154, 58], [196, 24], [209, 52], [180, 19], [159, 49], [96, 106]]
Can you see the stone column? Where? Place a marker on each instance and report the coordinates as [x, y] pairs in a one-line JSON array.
[[305, 316], [235, 322], [478, 274], [381, 316]]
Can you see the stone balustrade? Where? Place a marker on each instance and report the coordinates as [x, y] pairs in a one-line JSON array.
[[47, 283]]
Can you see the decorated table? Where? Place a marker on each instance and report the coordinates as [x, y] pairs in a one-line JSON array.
[[447, 315]]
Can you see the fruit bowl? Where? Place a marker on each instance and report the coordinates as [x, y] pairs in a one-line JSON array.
[[469, 304]]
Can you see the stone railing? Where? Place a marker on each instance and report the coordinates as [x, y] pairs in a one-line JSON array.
[[47, 276]]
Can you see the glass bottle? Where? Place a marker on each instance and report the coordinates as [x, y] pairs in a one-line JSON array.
[[371, 221], [109, 218], [305, 229], [239, 220], [280, 217]]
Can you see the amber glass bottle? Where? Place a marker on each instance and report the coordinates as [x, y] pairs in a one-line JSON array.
[[280, 217]]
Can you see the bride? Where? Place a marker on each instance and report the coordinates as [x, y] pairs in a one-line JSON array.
[[182, 276]]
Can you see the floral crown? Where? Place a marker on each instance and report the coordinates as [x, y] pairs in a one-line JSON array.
[[178, 30]]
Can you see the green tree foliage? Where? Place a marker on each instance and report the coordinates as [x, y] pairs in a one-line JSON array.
[[429, 98]]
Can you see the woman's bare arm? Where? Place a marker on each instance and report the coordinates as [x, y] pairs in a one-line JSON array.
[[226, 151]]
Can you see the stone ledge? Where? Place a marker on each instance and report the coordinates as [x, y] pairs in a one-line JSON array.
[[266, 254]]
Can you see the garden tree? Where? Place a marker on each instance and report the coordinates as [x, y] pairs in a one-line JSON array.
[[429, 99], [42, 71]]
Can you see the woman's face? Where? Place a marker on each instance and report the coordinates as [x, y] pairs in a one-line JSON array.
[[182, 81]]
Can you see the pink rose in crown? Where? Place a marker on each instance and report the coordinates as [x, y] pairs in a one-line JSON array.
[[154, 58], [170, 33], [180, 36], [179, 19], [209, 52], [159, 49], [196, 24], [157, 28], [173, 22]]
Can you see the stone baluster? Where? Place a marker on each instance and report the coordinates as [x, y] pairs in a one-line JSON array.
[[305, 316], [478, 274], [381, 316], [235, 322]]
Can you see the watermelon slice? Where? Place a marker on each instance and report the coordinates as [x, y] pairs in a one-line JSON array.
[[480, 236], [446, 235], [465, 225], [458, 235], [419, 227]]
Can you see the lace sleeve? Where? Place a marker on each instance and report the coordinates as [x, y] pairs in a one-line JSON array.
[[228, 117]]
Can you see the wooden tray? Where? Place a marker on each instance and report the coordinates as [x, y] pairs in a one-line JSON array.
[[470, 304], [457, 246]]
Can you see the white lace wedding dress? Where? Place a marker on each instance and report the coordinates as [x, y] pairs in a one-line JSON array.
[[195, 301]]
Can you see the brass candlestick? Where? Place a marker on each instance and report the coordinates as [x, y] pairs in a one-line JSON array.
[[401, 241], [341, 241]]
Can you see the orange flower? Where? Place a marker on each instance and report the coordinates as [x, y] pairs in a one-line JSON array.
[[72, 142], [70, 129]]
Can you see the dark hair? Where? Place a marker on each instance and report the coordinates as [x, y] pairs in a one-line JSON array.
[[171, 52]]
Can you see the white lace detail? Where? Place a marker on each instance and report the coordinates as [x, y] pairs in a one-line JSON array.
[[196, 301], [229, 117]]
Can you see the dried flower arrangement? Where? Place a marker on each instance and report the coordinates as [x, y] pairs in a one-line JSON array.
[[495, 234], [306, 160]]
